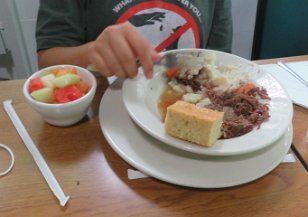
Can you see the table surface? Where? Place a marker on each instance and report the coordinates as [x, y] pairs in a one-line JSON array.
[[300, 117], [95, 177]]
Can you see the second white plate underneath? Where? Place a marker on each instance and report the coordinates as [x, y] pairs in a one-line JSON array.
[[176, 166]]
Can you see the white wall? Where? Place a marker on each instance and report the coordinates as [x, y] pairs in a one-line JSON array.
[[27, 11], [13, 63], [244, 15], [19, 19]]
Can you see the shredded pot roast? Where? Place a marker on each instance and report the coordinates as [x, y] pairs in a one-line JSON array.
[[243, 111]]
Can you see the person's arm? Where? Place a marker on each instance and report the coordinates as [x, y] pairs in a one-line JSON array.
[[61, 39], [114, 52], [64, 55], [221, 32], [60, 32]]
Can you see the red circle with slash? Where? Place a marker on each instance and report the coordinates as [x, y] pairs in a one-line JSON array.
[[190, 22]]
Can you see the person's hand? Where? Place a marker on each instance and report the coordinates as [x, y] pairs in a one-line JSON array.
[[117, 49]]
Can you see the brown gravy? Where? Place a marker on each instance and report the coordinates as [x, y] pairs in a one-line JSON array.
[[167, 98]]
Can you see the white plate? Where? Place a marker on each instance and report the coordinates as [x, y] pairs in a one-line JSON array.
[[140, 99], [176, 166]]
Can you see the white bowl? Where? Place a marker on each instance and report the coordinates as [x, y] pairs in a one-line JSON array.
[[65, 114]]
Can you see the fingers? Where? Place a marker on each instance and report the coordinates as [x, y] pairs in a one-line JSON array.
[[99, 64], [142, 49], [113, 64], [116, 50], [125, 56], [155, 56], [103, 57]]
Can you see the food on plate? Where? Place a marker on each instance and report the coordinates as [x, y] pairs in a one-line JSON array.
[[194, 124], [225, 88], [58, 86]]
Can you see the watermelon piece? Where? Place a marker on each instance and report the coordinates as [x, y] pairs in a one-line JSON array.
[[67, 94], [35, 84]]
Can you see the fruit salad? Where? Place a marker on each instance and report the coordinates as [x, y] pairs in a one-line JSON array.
[[59, 85]]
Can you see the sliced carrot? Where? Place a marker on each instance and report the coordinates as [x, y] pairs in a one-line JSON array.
[[171, 72], [245, 88]]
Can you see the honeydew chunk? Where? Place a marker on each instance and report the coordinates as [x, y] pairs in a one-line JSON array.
[[43, 95], [66, 80], [48, 80]]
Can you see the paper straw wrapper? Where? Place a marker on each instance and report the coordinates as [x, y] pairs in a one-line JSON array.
[[135, 174], [38, 158]]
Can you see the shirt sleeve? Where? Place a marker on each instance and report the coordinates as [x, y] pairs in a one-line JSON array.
[[60, 23], [220, 37]]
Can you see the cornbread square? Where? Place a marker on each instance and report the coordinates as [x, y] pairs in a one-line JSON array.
[[194, 124]]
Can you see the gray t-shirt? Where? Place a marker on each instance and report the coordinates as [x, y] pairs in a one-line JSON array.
[[166, 24]]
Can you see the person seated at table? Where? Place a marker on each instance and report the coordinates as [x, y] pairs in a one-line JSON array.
[[112, 35]]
